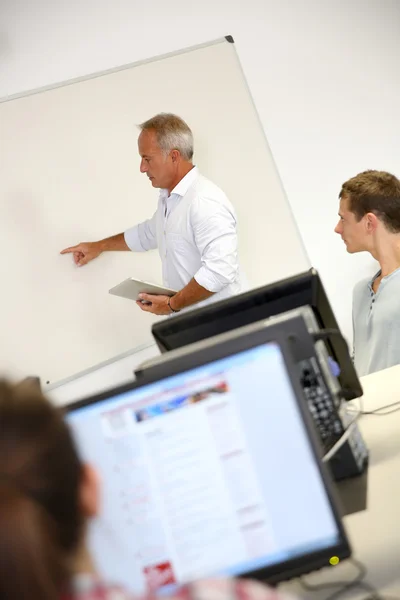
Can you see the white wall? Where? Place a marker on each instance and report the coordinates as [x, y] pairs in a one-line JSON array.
[[324, 77]]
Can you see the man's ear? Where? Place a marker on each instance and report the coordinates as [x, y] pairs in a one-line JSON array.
[[89, 492], [175, 155], [371, 222]]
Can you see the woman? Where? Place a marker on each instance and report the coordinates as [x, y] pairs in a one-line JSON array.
[[47, 497]]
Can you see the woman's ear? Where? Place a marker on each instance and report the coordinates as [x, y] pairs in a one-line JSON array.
[[90, 492]]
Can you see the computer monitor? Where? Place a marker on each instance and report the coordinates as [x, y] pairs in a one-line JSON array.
[[305, 289], [211, 468]]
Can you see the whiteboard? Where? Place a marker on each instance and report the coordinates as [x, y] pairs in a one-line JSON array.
[[69, 172]]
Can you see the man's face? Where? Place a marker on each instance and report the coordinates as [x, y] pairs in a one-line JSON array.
[[160, 169], [353, 232]]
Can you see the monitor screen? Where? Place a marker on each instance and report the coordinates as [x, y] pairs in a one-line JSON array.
[[305, 289], [205, 473]]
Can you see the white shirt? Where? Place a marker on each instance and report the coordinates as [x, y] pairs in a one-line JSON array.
[[194, 229]]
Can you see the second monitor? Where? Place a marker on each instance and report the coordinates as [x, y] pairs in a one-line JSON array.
[[305, 289]]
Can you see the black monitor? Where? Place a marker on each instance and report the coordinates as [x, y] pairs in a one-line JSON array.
[[305, 289], [210, 467]]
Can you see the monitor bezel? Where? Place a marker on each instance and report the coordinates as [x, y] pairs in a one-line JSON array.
[[293, 567]]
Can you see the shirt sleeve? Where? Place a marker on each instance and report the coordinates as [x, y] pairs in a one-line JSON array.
[[230, 589], [222, 589], [215, 233], [143, 236]]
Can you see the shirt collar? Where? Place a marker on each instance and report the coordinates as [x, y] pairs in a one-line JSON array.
[[182, 187], [383, 280], [371, 282]]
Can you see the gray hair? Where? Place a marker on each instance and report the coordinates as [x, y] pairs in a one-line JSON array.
[[172, 134]]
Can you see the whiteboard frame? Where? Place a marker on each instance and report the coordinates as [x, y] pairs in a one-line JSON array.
[[226, 39], [112, 70], [105, 363]]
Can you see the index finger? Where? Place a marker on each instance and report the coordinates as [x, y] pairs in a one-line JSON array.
[[147, 297], [70, 249]]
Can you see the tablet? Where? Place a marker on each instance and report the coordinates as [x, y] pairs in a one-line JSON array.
[[131, 288]]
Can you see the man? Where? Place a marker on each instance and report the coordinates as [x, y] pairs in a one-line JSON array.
[[370, 221], [194, 226]]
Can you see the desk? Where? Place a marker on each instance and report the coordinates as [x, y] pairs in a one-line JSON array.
[[374, 533]]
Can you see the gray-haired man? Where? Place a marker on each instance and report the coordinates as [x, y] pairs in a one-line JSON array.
[[194, 226]]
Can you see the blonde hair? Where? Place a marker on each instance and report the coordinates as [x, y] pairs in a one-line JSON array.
[[172, 132]]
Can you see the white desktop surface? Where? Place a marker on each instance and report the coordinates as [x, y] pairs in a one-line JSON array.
[[375, 532]]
